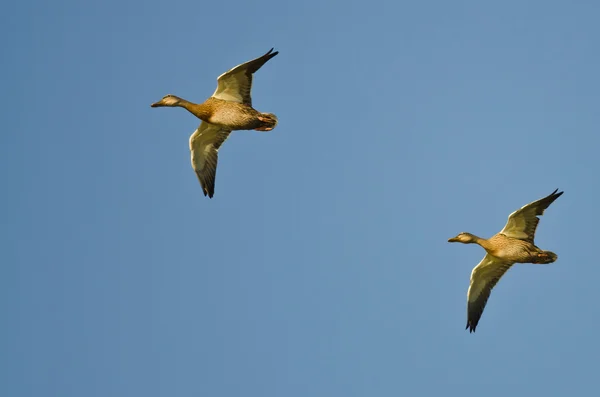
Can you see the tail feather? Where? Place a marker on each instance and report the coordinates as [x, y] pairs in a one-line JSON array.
[[547, 257], [269, 120]]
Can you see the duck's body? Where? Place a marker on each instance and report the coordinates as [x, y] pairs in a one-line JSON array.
[[511, 249], [230, 115], [228, 109], [514, 244]]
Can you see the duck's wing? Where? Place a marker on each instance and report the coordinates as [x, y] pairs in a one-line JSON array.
[[483, 278], [204, 146], [523, 222], [235, 85]]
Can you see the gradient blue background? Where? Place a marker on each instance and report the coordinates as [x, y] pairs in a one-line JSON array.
[[321, 267]]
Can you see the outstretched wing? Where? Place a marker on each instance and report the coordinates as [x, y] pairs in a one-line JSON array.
[[204, 146], [523, 222], [235, 85], [483, 279]]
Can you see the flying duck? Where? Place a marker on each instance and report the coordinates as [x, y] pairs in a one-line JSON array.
[[514, 244], [228, 109]]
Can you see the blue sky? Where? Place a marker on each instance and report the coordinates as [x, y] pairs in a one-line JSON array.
[[321, 267]]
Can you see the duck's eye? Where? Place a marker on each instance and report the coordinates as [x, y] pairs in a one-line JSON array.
[[168, 96]]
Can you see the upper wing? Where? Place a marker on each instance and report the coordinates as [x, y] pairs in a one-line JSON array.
[[523, 222], [235, 85], [204, 145], [483, 278]]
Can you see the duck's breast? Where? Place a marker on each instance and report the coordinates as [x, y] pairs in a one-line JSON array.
[[512, 249], [233, 115]]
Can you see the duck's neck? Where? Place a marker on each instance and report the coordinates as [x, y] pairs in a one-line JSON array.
[[482, 242], [199, 110]]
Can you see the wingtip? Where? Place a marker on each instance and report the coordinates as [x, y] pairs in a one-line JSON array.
[[556, 195], [470, 328], [271, 53]]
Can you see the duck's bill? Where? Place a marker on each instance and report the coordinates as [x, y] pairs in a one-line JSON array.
[[157, 104], [453, 240]]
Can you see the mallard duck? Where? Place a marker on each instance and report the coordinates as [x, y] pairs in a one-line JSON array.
[[228, 109], [514, 244]]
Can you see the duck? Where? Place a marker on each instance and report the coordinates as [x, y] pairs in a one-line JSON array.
[[513, 244], [228, 109]]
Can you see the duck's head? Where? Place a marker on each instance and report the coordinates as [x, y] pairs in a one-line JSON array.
[[168, 100], [464, 238]]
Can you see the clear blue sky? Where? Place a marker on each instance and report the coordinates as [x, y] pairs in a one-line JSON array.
[[321, 267]]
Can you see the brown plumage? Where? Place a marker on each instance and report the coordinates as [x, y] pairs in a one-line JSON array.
[[228, 109], [514, 244]]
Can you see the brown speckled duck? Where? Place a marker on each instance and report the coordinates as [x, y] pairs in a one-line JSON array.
[[514, 244], [228, 109]]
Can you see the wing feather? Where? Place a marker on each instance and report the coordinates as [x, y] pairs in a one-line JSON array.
[[523, 222], [235, 85], [483, 279], [204, 147]]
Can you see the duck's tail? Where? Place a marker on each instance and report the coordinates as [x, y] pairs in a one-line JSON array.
[[546, 257], [269, 121]]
